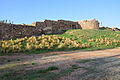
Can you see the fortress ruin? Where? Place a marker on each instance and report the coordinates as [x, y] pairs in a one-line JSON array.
[[13, 31], [89, 24]]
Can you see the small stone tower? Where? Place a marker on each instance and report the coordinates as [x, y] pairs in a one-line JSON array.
[[89, 24]]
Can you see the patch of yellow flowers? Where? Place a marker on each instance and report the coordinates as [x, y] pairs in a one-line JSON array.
[[105, 41], [41, 42]]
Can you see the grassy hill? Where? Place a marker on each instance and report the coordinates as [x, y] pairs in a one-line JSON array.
[[70, 40], [97, 39]]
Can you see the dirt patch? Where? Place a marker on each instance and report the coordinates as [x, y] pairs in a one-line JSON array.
[[104, 66]]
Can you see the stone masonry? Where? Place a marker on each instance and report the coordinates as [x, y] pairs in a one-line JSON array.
[[50, 26], [13, 31], [89, 24]]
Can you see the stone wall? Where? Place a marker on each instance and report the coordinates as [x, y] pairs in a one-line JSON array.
[[13, 31], [89, 24], [50, 26], [61, 25]]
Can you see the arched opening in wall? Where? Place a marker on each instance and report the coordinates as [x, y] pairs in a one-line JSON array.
[[73, 26]]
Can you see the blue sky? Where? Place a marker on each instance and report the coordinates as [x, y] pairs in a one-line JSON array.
[[28, 11]]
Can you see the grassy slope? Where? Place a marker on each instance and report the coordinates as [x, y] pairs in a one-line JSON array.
[[82, 36], [101, 39]]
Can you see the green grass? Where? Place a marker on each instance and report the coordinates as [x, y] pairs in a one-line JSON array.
[[85, 60], [49, 50], [74, 66], [82, 36], [51, 68]]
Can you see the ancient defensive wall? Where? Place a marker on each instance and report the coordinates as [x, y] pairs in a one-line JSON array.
[[13, 31]]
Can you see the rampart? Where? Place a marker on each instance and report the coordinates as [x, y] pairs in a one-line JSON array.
[[13, 31]]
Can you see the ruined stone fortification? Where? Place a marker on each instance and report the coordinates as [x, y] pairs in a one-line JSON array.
[[50, 26], [13, 31], [89, 24]]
